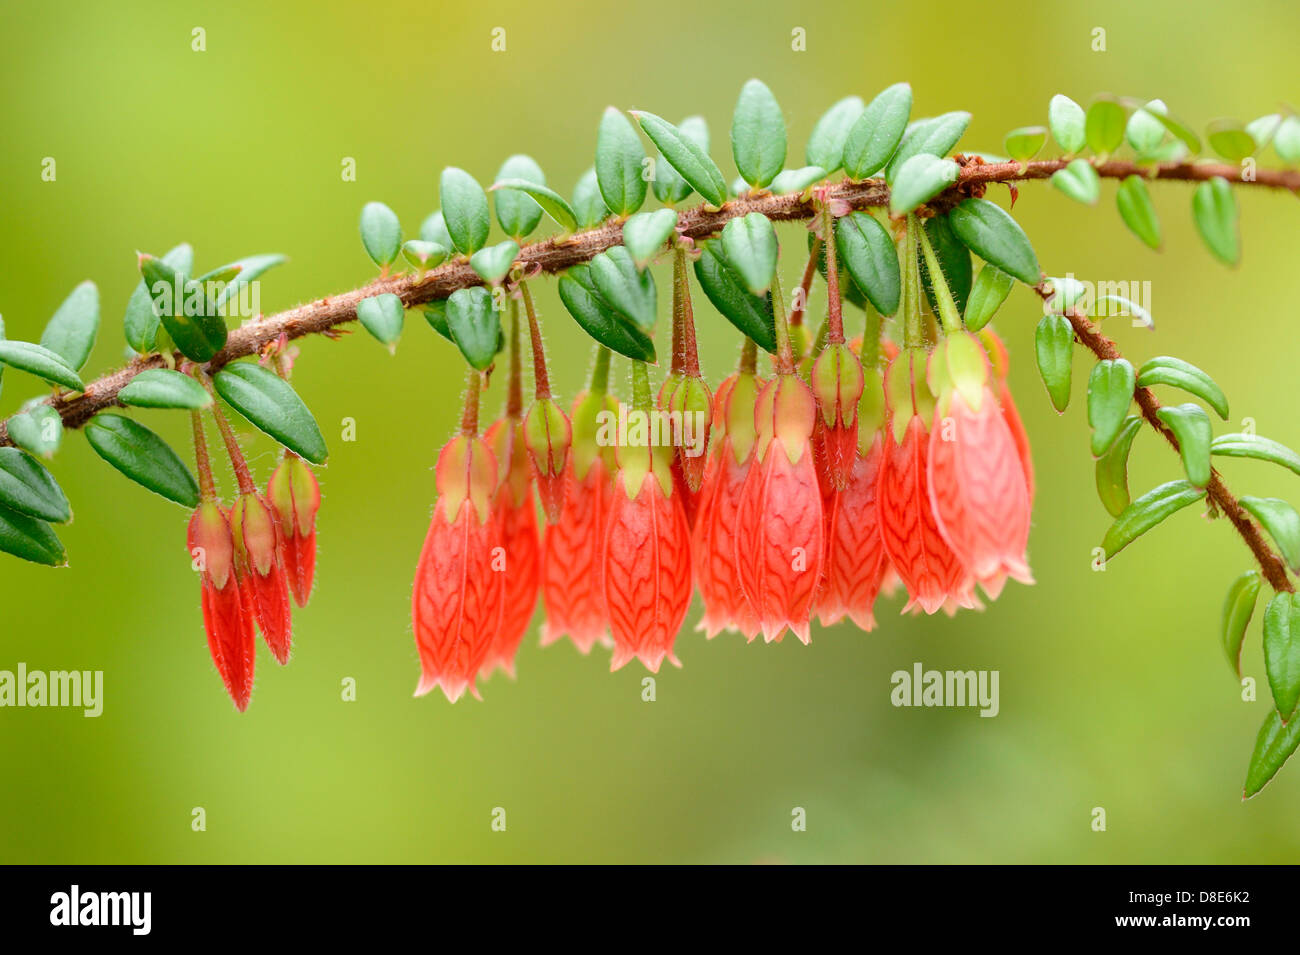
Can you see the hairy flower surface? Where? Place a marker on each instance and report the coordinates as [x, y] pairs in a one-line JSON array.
[[260, 569], [295, 495], [226, 619]]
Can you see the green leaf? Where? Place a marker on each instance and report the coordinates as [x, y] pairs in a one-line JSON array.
[[991, 288], [920, 179], [1079, 181], [645, 234], [142, 456], [631, 293], [1135, 209], [684, 155], [382, 316], [1231, 140], [550, 201], [1054, 349], [1238, 608], [435, 313], [1286, 141], [1214, 208], [1104, 126], [1164, 370], [1110, 392], [826, 143], [954, 259], [935, 136], [758, 134], [270, 404], [1255, 446], [1148, 511], [751, 248], [1144, 131], [381, 233], [37, 429], [724, 287], [669, 187], [1180, 130], [1282, 523], [1112, 469], [41, 362], [1274, 745], [164, 388], [493, 262], [1282, 652], [1101, 308], [475, 325], [424, 254], [28, 488], [2, 367], [517, 211], [1066, 118], [599, 320], [796, 180], [191, 318], [868, 254], [30, 538], [1025, 142], [246, 270], [1191, 426], [464, 210], [619, 158], [588, 204], [989, 231], [434, 229], [878, 131], [71, 333]]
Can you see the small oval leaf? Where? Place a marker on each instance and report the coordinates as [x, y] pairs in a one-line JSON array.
[[1165, 370], [270, 404], [1054, 349], [1026, 142], [493, 262], [1282, 652], [30, 539], [464, 210], [1148, 511], [37, 429], [878, 131], [868, 254], [28, 488], [382, 316], [142, 456], [1112, 469], [1255, 446], [934, 136], [920, 179], [71, 333], [1110, 392], [619, 158], [41, 362], [685, 155], [1135, 208], [1282, 523], [1104, 126], [758, 142], [1079, 181], [991, 288], [588, 204], [1191, 426], [631, 293], [645, 234], [381, 233], [599, 320], [475, 325], [517, 211], [991, 233], [191, 318], [1066, 119], [550, 201], [1214, 208], [1238, 608], [751, 249], [164, 388], [724, 287], [826, 142], [1276, 741]]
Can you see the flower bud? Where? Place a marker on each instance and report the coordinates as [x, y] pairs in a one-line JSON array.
[[548, 436], [227, 619], [261, 572], [294, 495], [691, 404], [838, 383]]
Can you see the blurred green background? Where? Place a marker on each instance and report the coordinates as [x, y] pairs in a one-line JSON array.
[[1114, 690]]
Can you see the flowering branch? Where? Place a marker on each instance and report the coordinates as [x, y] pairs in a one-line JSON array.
[[562, 252]]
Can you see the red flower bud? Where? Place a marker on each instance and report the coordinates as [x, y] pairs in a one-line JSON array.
[[226, 619], [456, 603], [261, 573], [516, 519], [548, 435], [295, 495], [838, 382], [571, 551], [646, 566], [780, 545]]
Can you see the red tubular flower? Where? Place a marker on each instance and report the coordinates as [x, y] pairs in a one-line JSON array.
[[258, 565], [1001, 366], [977, 483], [646, 566], [456, 603], [713, 540], [295, 495], [547, 435], [516, 519], [781, 541], [571, 584], [838, 382], [229, 625], [855, 551], [929, 569]]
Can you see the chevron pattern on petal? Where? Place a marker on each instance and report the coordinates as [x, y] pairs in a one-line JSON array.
[[1019, 435], [781, 547], [926, 564], [519, 537], [647, 573], [713, 550], [456, 602], [855, 552], [575, 604]]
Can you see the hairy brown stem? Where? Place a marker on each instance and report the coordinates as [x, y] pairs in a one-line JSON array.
[[1091, 337], [562, 252]]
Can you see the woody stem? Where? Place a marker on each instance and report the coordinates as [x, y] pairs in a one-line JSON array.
[[911, 301]]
